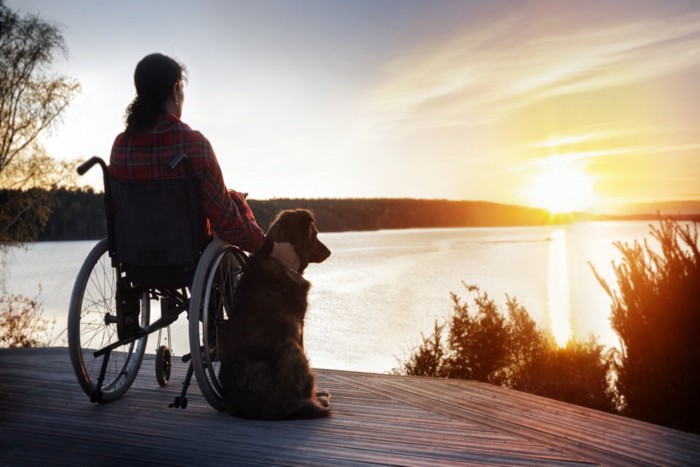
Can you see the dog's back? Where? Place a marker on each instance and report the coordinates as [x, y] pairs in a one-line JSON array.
[[264, 372]]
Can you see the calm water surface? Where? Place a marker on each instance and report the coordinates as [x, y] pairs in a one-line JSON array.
[[372, 299]]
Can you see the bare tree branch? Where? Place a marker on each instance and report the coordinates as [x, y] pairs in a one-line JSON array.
[[31, 102]]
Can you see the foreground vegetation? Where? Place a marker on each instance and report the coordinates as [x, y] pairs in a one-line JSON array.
[[508, 349], [32, 100], [22, 323], [654, 377], [656, 312]]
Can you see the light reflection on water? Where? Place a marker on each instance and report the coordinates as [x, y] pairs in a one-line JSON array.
[[558, 296], [372, 299]]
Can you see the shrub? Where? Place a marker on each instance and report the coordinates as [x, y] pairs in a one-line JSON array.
[[511, 351], [656, 313], [477, 343], [429, 358], [22, 323], [577, 374]]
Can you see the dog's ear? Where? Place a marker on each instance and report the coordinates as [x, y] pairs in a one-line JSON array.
[[305, 224], [290, 226], [275, 232]]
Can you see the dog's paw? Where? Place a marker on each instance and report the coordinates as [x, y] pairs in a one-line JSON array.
[[324, 398]]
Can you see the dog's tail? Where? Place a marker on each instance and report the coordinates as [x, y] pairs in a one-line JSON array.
[[309, 408]]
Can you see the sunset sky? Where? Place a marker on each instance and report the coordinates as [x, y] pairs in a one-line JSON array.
[[561, 104]]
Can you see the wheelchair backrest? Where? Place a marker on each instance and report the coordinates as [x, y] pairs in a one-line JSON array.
[[158, 232]]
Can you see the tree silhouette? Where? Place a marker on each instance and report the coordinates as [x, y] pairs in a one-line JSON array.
[[656, 313], [31, 102]]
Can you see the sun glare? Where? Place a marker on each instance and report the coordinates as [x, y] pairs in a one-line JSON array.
[[562, 187]]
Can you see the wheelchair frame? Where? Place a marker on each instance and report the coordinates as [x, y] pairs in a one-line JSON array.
[[109, 312]]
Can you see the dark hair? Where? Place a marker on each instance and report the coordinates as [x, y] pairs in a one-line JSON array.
[[154, 78]]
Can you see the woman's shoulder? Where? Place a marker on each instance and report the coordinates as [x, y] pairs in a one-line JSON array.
[[185, 128]]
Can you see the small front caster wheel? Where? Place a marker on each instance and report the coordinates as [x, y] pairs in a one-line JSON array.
[[163, 365]]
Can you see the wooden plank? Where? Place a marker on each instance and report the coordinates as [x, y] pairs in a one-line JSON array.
[[378, 419], [594, 434]]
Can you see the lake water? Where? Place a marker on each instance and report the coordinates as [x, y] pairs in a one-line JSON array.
[[372, 299]]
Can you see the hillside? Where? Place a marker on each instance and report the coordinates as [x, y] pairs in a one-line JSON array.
[[79, 214], [666, 208]]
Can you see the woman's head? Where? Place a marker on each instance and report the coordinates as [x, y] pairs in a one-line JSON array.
[[158, 80]]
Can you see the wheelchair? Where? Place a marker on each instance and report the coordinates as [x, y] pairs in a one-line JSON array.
[[157, 249]]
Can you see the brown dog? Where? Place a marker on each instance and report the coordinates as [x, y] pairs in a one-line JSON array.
[[264, 371]]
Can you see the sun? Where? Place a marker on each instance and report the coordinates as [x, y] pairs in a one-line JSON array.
[[562, 187]]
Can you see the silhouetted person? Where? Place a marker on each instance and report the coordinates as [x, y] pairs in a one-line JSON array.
[[155, 134]]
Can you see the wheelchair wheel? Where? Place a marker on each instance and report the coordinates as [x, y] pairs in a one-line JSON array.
[[213, 288], [92, 326], [164, 362]]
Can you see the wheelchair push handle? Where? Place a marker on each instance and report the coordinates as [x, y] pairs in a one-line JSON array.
[[176, 161], [87, 165]]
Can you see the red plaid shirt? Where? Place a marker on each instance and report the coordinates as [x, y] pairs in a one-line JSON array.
[[146, 154]]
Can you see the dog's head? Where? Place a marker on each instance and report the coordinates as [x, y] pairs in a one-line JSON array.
[[298, 228]]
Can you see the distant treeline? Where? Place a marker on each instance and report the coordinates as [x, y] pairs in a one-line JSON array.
[[357, 214], [79, 214]]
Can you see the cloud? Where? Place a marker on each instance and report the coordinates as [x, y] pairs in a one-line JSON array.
[[486, 74]]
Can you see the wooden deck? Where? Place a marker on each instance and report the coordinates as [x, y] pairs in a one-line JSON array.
[[45, 419]]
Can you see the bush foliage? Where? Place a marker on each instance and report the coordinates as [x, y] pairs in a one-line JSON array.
[[656, 312], [22, 323], [510, 350]]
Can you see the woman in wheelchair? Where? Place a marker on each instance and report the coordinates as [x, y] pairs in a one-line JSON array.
[[162, 216], [155, 135]]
